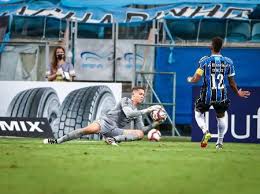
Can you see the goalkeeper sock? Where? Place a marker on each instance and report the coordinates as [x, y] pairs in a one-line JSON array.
[[200, 119], [72, 135], [222, 127], [127, 137]]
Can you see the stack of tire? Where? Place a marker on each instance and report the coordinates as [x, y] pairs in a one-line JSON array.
[[79, 108]]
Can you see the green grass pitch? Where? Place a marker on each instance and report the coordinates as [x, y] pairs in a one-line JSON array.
[[29, 167]]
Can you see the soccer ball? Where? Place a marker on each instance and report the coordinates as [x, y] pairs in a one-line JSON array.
[[159, 114], [154, 135]]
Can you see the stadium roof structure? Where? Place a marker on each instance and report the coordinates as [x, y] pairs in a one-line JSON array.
[[107, 11]]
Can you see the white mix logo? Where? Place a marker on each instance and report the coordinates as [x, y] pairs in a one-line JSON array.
[[25, 126], [233, 127]]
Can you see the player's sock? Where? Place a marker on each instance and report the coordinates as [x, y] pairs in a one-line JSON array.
[[128, 137], [71, 135], [222, 125], [200, 118]]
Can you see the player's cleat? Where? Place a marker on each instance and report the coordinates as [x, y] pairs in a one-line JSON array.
[[50, 141], [219, 146], [205, 139], [111, 141]]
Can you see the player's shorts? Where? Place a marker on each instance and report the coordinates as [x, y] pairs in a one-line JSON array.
[[220, 107], [109, 128]]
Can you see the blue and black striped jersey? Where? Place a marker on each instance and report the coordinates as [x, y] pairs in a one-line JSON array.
[[216, 69]]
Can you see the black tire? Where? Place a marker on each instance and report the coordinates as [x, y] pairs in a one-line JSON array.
[[35, 102], [81, 107]]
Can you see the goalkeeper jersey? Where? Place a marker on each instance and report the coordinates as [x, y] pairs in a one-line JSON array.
[[118, 116]]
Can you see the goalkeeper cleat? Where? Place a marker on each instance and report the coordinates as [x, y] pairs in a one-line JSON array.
[[50, 141], [205, 139], [111, 141], [219, 146]]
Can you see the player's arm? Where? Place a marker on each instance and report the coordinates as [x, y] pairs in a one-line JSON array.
[[151, 126], [199, 72], [140, 125], [133, 113], [196, 77], [231, 80], [239, 92]]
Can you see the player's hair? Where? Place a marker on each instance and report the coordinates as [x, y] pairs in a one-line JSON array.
[[138, 88], [217, 43]]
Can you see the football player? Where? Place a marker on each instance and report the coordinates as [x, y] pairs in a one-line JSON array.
[[216, 70], [112, 125]]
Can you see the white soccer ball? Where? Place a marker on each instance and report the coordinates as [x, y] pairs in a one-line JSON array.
[[159, 114], [154, 135]]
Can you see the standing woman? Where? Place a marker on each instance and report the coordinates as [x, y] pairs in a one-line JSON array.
[[59, 69]]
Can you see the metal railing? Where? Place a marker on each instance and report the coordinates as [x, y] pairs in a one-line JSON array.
[[146, 81]]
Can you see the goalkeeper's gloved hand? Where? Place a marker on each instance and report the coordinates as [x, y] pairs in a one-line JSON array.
[[150, 109]]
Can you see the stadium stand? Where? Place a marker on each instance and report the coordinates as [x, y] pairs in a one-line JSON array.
[[211, 28], [183, 29], [256, 32], [26, 26], [238, 31]]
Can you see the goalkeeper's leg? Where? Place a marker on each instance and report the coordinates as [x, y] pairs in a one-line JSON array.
[[119, 135], [93, 128]]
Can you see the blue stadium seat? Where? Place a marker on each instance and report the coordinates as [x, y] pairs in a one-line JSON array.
[[183, 29], [238, 31], [212, 28], [54, 27], [256, 33]]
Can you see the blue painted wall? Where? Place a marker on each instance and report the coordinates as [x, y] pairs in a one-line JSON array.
[[184, 61]]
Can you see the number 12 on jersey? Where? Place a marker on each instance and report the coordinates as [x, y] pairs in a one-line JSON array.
[[220, 78]]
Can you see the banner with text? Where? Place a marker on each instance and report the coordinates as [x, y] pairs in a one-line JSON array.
[[65, 106], [243, 118], [25, 127], [128, 11]]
